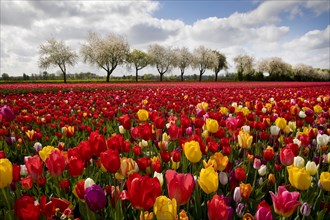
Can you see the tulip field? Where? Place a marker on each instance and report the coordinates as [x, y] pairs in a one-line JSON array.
[[254, 150]]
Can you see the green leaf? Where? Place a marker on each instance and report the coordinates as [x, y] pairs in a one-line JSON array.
[[320, 215]]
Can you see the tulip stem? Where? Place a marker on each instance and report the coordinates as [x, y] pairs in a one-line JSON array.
[[7, 202]]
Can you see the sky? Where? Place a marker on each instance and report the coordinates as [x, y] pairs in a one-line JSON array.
[[298, 31]]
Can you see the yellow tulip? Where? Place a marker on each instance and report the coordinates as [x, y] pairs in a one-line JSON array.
[[202, 106], [299, 177], [223, 110], [30, 134], [325, 180], [245, 110], [280, 122], [246, 190], [317, 109], [6, 172], [192, 151], [183, 215], [220, 160], [45, 152], [208, 180], [165, 208], [244, 140], [212, 125], [143, 115]]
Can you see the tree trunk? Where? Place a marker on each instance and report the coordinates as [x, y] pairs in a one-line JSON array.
[[108, 76], [161, 77], [216, 77], [182, 72], [64, 76], [136, 75]]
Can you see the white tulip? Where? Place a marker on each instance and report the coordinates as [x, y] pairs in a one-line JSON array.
[[274, 130], [299, 162]]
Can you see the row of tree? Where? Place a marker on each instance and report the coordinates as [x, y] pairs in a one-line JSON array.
[[113, 50]]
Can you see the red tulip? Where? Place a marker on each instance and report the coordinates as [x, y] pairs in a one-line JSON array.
[[159, 122], [142, 191], [174, 132], [125, 121], [25, 209], [97, 143], [240, 174], [179, 186], [111, 160], [79, 190], [137, 150], [176, 155], [75, 166], [286, 156], [65, 185], [27, 182], [2, 153], [85, 150], [16, 172], [115, 142], [145, 130], [34, 166], [269, 153], [143, 162], [217, 208], [41, 181], [55, 163], [166, 156]]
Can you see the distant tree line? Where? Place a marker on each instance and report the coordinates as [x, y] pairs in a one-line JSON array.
[[111, 51]]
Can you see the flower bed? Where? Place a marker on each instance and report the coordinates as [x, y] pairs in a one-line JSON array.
[[165, 151]]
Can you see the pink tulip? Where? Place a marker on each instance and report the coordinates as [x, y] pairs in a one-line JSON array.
[[179, 185], [285, 202]]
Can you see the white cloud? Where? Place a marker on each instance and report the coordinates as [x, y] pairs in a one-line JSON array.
[[318, 6], [260, 32], [312, 40]]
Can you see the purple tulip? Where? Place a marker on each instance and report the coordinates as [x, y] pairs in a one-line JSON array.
[[305, 209], [95, 198], [7, 113]]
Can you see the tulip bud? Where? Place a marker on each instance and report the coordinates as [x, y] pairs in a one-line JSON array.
[[311, 167], [274, 130], [271, 179], [121, 129], [37, 146], [299, 162], [223, 178], [260, 181], [262, 170], [256, 163], [264, 110], [305, 209], [240, 209], [88, 182], [237, 194], [189, 131]]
